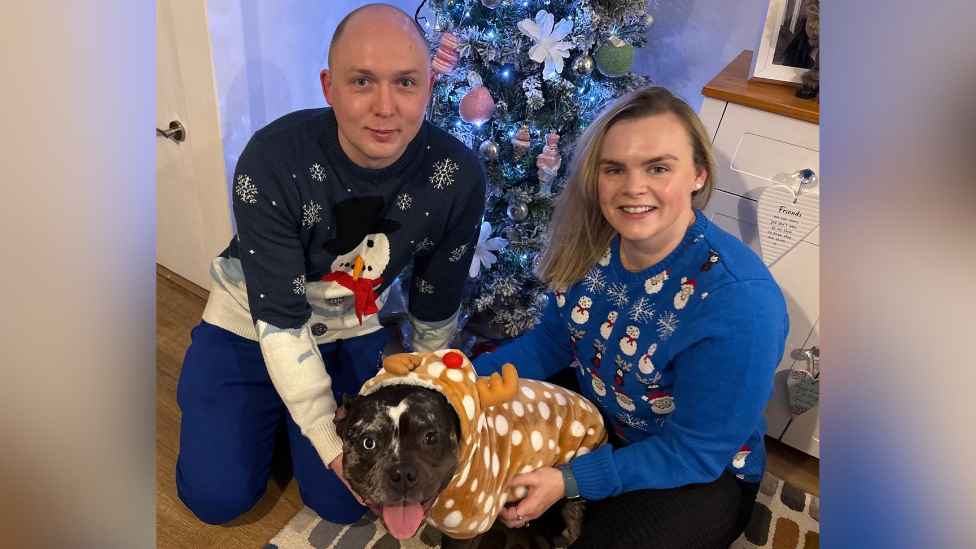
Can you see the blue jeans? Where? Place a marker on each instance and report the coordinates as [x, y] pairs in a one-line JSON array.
[[232, 415]]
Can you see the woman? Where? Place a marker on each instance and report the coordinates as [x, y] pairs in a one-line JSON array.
[[674, 328]]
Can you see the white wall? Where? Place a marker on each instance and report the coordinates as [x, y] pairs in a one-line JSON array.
[[268, 54], [693, 40], [267, 58]]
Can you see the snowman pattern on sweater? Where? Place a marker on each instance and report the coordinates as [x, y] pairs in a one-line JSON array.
[[362, 252], [638, 398]]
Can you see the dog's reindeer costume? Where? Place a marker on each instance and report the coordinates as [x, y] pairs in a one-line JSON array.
[[508, 426]]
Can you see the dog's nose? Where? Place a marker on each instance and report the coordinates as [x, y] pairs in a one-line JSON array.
[[403, 476]]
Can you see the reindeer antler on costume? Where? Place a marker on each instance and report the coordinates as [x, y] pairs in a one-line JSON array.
[[401, 364], [500, 388]]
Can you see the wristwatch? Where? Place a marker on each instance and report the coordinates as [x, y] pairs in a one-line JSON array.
[[569, 479]]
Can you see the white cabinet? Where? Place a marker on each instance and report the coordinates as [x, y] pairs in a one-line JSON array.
[[755, 149]]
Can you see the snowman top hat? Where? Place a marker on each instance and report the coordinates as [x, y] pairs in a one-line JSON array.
[[357, 218]]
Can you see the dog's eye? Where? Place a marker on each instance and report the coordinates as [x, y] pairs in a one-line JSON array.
[[369, 443], [431, 438]]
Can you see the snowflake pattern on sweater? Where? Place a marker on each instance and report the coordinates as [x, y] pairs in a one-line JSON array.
[[321, 239], [354, 236], [704, 368]]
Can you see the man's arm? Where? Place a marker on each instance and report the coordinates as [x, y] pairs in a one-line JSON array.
[[439, 276], [268, 222]]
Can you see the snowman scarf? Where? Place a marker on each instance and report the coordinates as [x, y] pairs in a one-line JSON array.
[[362, 288]]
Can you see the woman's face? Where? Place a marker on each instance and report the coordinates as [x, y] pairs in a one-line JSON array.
[[646, 175]]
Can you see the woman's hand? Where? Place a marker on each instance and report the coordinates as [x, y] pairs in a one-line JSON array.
[[545, 488]]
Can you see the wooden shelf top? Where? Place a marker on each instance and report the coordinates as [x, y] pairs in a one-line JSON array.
[[733, 85]]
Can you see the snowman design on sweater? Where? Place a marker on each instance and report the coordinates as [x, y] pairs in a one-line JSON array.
[[628, 342], [644, 364], [362, 252], [581, 313], [607, 326]]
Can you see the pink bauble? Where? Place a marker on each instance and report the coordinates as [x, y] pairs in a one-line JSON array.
[[477, 106]]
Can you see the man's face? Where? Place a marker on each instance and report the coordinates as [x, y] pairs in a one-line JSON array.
[[379, 84]]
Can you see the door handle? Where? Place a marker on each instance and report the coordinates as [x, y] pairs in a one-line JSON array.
[[176, 131]]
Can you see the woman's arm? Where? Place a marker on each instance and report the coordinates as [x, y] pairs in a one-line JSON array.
[[539, 353]]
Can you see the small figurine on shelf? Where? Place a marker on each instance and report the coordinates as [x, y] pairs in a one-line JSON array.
[[811, 78], [548, 163]]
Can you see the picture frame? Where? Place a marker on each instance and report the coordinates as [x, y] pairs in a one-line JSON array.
[[780, 57]]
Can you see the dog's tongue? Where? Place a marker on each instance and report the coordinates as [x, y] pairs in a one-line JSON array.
[[404, 519]]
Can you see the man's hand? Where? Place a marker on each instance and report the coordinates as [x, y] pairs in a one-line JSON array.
[[336, 466], [545, 486]]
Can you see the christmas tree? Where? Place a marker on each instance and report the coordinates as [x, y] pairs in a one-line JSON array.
[[519, 81]]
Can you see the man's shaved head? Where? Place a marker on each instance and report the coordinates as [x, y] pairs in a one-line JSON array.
[[374, 9], [378, 83]]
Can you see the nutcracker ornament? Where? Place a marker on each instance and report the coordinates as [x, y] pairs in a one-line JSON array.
[[548, 163]]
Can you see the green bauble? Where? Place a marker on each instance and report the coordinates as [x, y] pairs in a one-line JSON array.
[[615, 57]]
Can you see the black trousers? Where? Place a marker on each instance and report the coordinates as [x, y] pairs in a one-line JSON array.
[[695, 516]]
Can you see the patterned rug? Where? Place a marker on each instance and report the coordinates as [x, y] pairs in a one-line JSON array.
[[784, 518]]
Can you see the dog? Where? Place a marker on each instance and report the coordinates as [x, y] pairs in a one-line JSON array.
[[428, 440]]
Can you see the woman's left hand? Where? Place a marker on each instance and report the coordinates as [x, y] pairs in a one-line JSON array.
[[545, 486]]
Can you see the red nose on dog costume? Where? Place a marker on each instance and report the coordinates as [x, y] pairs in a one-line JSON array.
[[508, 426]]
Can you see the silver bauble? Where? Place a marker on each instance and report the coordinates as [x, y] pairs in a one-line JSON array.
[[647, 20], [583, 65], [449, 5], [488, 150], [491, 4], [518, 210]]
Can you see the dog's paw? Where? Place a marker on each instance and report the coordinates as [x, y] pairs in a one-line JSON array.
[[401, 364]]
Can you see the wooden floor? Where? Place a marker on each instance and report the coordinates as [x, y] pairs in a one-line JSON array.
[[179, 306]]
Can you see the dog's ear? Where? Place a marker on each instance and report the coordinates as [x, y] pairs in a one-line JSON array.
[[342, 412]]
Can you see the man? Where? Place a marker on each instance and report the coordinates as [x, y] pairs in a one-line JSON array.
[[330, 205]]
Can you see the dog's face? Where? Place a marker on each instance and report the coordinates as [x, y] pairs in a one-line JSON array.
[[400, 451]]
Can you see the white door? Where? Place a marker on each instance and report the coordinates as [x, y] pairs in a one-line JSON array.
[[192, 202]]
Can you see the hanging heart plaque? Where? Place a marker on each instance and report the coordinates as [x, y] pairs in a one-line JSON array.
[[782, 222], [804, 391]]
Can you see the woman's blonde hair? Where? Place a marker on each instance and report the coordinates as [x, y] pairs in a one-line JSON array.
[[579, 234]]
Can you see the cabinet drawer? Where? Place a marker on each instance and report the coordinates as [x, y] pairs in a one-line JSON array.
[[798, 276], [756, 149]]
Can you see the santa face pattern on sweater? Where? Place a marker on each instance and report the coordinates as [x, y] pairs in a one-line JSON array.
[[654, 284], [540, 425], [686, 291]]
